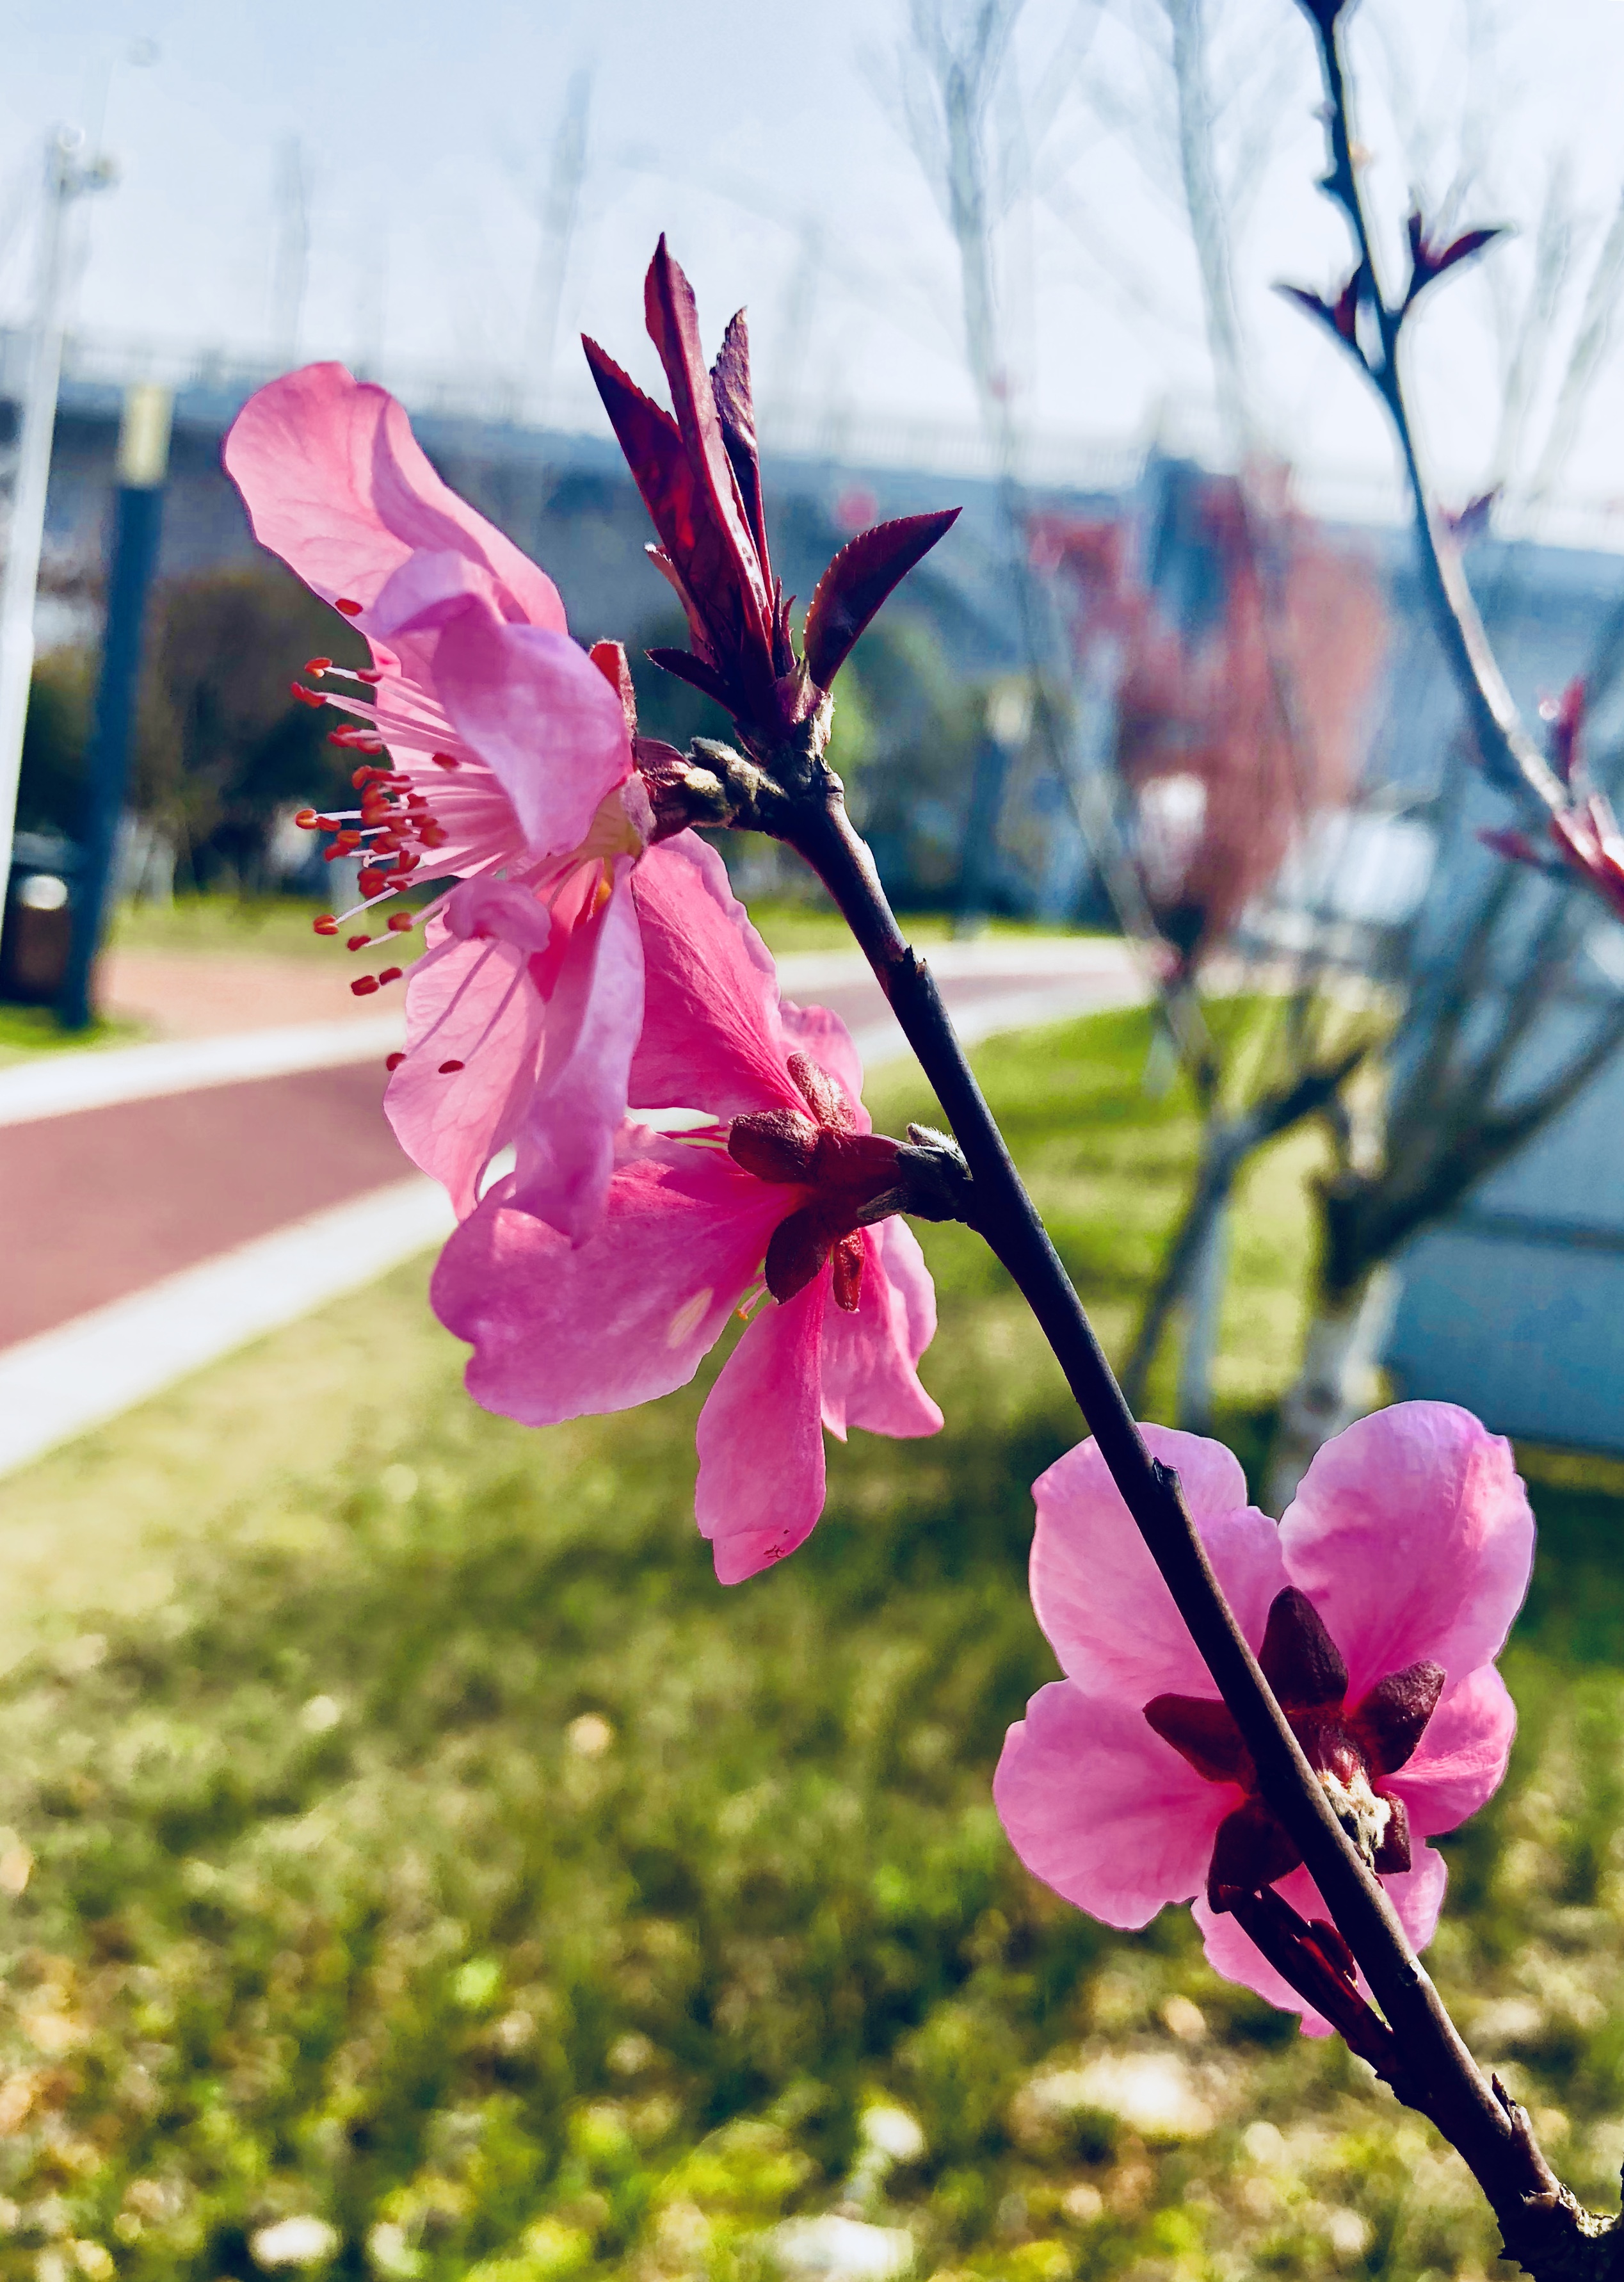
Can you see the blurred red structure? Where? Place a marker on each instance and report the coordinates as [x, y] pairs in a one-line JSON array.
[[1243, 659]]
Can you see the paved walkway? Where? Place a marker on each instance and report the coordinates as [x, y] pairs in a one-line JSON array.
[[161, 1204]]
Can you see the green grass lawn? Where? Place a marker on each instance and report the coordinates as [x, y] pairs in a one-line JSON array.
[[279, 927], [407, 1832]]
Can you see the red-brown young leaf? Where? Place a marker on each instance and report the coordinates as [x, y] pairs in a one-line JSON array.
[[672, 575], [709, 573], [695, 673], [1463, 248], [1428, 262], [1340, 316], [673, 319], [858, 581], [730, 383]]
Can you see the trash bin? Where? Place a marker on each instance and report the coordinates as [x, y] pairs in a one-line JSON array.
[[39, 916]]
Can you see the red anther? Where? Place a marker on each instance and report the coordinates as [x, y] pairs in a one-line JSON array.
[[402, 864], [391, 974], [394, 1061], [386, 844], [445, 760], [401, 922], [357, 942], [364, 774], [347, 842], [351, 610], [373, 883], [317, 665], [448, 1067], [308, 696], [364, 985], [306, 819], [326, 925], [368, 674], [434, 835]]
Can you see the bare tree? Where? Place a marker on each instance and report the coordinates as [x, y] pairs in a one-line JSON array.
[[1476, 1065]]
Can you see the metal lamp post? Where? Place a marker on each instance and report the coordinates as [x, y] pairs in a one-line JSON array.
[[66, 178], [143, 463]]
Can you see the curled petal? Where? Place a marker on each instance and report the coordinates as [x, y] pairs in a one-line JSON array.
[[711, 1037], [1412, 1537], [1101, 1810], [562, 1330], [468, 1004], [760, 1439], [542, 718], [566, 1139], [1099, 1595], [336, 485], [870, 1359]]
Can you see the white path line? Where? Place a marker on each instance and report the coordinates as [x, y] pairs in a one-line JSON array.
[[882, 1041], [56, 1085], [65, 1381], [59, 1085]]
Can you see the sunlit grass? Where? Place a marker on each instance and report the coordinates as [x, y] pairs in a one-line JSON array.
[[417, 1839]]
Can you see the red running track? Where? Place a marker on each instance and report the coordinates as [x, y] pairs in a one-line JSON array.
[[100, 1203]]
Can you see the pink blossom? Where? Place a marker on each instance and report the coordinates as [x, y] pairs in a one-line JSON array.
[[510, 765], [774, 1207], [1376, 1608]]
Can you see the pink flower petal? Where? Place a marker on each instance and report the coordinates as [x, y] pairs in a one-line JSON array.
[[335, 483], [870, 1359], [1099, 1597], [537, 712], [712, 1037], [1412, 1535], [1099, 1807], [1417, 1894], [760, 1438], [560, 1331], [566, 1137], [1460, 1760], [466, 1001]]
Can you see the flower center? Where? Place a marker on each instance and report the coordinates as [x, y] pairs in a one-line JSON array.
[[1353, 1753], [843, 1173], [1365, 1817]]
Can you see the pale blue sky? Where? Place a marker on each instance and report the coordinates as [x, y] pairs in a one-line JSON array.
[[756, 134]]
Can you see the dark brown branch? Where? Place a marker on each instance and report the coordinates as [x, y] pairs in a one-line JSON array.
[[1456, 2096]]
